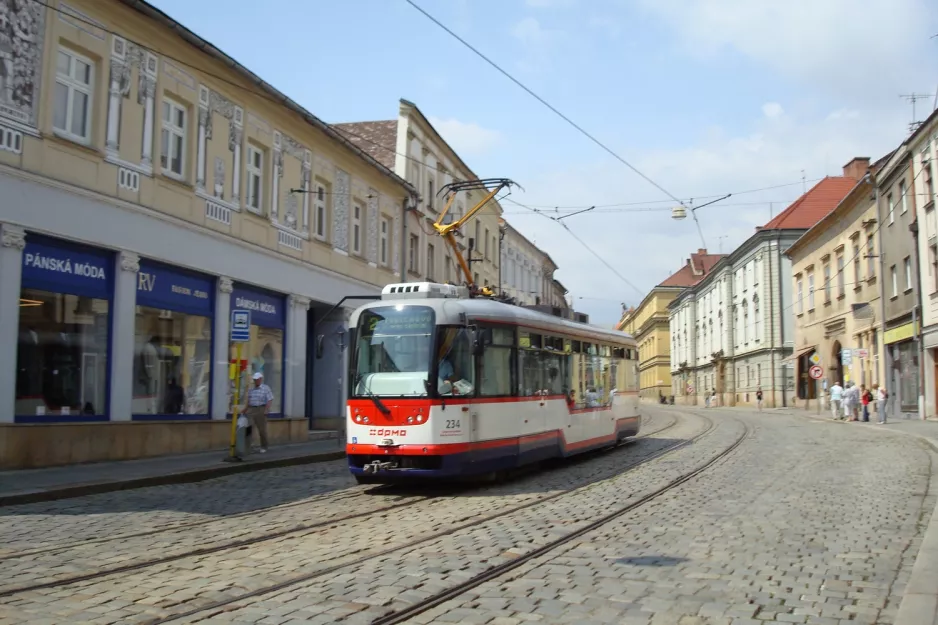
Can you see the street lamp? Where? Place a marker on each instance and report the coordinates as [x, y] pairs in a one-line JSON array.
[[680, 212]]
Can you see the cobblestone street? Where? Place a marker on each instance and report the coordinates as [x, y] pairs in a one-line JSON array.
[[804, 522]]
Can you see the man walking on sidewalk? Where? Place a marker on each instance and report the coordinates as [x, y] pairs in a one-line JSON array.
[[259, 400]]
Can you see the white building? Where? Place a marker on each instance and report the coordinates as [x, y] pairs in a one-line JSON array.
[[527, 271], [732, 332], [923, 144]]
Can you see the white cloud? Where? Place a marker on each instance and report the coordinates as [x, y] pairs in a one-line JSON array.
[[466, 138], [647, 245], [530, 32], [772, 110], [838, 45]]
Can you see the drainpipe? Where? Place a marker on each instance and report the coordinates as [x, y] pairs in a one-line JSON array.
[[887, 355], [920, 347], [778, 258]]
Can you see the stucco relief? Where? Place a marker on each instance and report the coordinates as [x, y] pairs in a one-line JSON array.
[[396, 244], [371, 249], [22, 28], [295, 217], [340, 219]]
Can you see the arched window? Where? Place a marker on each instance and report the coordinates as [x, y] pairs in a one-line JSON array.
[[721, 329], [745, 322]]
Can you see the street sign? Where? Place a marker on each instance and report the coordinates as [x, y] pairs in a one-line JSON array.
[[846, 356], [240, 326], [816, 372], [862, 353], [815, 358]]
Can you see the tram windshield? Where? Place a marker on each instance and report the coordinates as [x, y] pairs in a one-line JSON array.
[[392, 357]]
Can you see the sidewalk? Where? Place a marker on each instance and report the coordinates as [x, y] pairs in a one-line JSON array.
[[32, 485], [920, 602]]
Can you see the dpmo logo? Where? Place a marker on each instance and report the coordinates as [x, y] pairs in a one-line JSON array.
[[387, 432]]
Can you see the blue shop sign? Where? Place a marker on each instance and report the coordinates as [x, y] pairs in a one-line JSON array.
[[266, 308], [171, 288], [63, 267]]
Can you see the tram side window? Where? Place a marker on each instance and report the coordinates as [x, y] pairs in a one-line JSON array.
[[532, 380], [455, 367], [497, 376], [552, 365]]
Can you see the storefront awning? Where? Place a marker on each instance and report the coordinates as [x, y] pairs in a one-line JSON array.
[[802, 351]]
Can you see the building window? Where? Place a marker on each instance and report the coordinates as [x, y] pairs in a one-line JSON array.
[[857, 276], [430, 193], [811, 292], [173, 151], [431, 262], [908, 273], [357, 228], [840, 275], [447, 270], [903, 202], [800, 297], [321, 217], [383, 251], [927, 177], [74, 87], [486, 244], [62, 356], [895, 281], [413, 253], [745, 323], [827, 283], [870, 257], [892, 209], [756, 320], [255, 169], [933, 266]]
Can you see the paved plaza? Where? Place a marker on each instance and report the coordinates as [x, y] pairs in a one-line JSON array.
[[805, 521]]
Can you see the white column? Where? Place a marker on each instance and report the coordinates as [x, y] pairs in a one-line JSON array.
[[276, 163], [236, 174], [12, 243], [146, 158], [123, 329], [307, 174], [200, 159], [220, 384], [294, 393], [114, 108]]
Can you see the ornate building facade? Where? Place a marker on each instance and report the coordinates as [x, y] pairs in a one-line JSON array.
[[144, 198]]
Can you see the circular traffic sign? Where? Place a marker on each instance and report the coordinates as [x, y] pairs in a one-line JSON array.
[[816, 372]]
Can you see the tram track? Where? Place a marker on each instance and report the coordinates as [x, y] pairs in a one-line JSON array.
[[218, 606], [296, 530], [405, 614]]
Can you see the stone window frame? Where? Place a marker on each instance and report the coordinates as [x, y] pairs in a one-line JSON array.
[[171, 128], [72, 84]]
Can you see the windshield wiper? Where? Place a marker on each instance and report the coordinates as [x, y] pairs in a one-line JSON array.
[[374, 398]]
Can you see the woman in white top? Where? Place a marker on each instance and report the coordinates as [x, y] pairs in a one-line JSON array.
[[881, 397]]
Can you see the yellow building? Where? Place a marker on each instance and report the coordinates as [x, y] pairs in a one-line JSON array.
[[151, 185], [836, 291], [649, 324]]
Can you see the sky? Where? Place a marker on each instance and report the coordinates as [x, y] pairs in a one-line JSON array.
[[703, 97]]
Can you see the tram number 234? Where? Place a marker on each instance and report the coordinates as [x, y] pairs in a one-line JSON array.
[[452, 424]]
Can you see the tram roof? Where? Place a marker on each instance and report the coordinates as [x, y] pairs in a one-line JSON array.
[[448, 310]]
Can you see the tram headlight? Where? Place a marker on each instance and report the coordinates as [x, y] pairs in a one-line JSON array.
[[419, 418], [410, 419]]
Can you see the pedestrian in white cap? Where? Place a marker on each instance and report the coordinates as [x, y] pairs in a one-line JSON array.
[[259, 400]]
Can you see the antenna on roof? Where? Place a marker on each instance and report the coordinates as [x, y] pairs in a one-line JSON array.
[[771, 211], [804, 184], [913, 98]]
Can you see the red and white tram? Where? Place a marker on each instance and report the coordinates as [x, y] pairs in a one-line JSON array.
[[443, 386]]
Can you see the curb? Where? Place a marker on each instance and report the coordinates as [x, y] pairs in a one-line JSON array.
[[181, 477]]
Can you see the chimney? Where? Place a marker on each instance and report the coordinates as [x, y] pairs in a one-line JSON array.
[[857, 167], [702, 251]]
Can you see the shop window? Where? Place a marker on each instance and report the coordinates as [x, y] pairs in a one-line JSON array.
[[264, 349], [172, 363], [62, 355], [264, 354]]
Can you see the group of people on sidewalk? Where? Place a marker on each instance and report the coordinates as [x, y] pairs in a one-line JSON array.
[[852, 403]]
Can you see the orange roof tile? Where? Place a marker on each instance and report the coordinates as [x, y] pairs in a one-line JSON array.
[[698, 266], [814, 205]]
